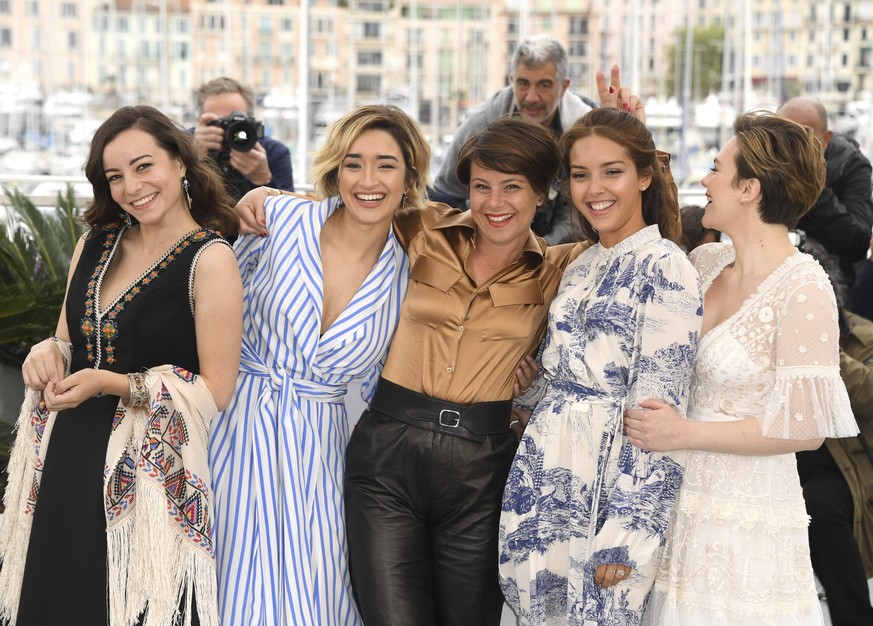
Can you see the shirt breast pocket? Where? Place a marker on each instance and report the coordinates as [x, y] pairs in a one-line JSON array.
[[518, 310], [428, 292]]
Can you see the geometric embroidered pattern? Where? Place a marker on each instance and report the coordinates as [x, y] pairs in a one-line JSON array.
[[38, 420], [160, 462], [184, 374], [100, 328]]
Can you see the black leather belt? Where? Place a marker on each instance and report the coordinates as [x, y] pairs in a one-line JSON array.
[[469, 421]]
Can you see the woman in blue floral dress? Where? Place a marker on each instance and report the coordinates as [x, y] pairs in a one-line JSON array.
[[584, 511]]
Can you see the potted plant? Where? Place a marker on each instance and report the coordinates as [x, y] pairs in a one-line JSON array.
[[35, 252]]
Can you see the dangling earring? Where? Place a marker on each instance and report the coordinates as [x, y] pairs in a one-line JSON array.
[[404, 204], [186, 186]]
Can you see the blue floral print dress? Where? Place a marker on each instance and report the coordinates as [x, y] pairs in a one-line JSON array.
[[623, 327]]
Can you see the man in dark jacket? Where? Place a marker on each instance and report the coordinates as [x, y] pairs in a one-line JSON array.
[[842, 218], [268, 163]]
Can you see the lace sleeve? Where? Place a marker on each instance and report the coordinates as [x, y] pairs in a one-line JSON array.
[[809, 399], [709, 260]]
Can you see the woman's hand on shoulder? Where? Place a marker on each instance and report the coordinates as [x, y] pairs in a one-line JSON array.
[[656, 426], [250, 209], [43, 364]]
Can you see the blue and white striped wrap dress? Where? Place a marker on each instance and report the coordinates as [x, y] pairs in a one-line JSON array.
[[277, 454]]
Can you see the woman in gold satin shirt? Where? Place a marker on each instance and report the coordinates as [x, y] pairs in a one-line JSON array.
[[427, 462]]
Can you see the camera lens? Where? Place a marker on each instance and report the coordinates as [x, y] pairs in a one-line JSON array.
[[241, 131], [241, 136]]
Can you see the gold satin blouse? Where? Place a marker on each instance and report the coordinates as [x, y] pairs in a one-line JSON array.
[[459, 341]]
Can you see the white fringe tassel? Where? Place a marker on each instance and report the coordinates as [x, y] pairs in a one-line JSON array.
[[15, 528], [152, 567]]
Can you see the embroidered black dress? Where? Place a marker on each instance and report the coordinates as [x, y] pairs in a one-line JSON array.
[[151, 323]]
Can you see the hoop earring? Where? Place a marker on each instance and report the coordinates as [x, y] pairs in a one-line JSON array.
[[185, 187]]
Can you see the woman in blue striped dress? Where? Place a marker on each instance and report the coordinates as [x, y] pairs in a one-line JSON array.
[[322, 299]]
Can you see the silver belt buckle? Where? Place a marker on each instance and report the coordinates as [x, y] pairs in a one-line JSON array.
[[454, 416]]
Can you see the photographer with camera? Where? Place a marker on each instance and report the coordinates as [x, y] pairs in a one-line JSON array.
[[229, 133]]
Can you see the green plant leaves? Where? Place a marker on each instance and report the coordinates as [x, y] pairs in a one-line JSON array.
[[35, 251]]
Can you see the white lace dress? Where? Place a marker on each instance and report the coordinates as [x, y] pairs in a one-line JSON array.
[[737, 550]]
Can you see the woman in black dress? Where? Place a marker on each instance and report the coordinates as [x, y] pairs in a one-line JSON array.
[[111, 524]]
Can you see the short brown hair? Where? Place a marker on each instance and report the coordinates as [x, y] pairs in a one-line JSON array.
[[786, 159], [513, 145], [659, 204], [392, 120]]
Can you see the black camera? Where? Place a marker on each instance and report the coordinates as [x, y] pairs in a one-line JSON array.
[[241, 133]]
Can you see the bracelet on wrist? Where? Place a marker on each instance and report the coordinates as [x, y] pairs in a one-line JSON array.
[[139, 394]]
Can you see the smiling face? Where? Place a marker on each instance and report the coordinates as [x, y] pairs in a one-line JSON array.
[[143, 178], [538, 91], [502, 205], [606, 188], [722, 194], [372, 178]]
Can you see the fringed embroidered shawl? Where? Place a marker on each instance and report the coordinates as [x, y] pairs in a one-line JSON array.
[[156, 500]]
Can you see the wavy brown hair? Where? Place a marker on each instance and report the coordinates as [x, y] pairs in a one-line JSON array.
[[659, 205], [211, 206]]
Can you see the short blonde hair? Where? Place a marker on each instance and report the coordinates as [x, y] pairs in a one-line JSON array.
[[344, 132]]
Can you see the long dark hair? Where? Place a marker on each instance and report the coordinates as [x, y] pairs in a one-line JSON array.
[[659, 205], [211, 206]]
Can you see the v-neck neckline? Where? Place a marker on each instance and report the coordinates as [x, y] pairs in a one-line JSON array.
[[101, 326], [756, 295], [150, 270]]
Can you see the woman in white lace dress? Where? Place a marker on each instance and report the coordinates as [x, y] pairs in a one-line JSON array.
[[766, 384]]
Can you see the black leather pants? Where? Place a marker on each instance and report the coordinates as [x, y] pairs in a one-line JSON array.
[[422, 511]]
